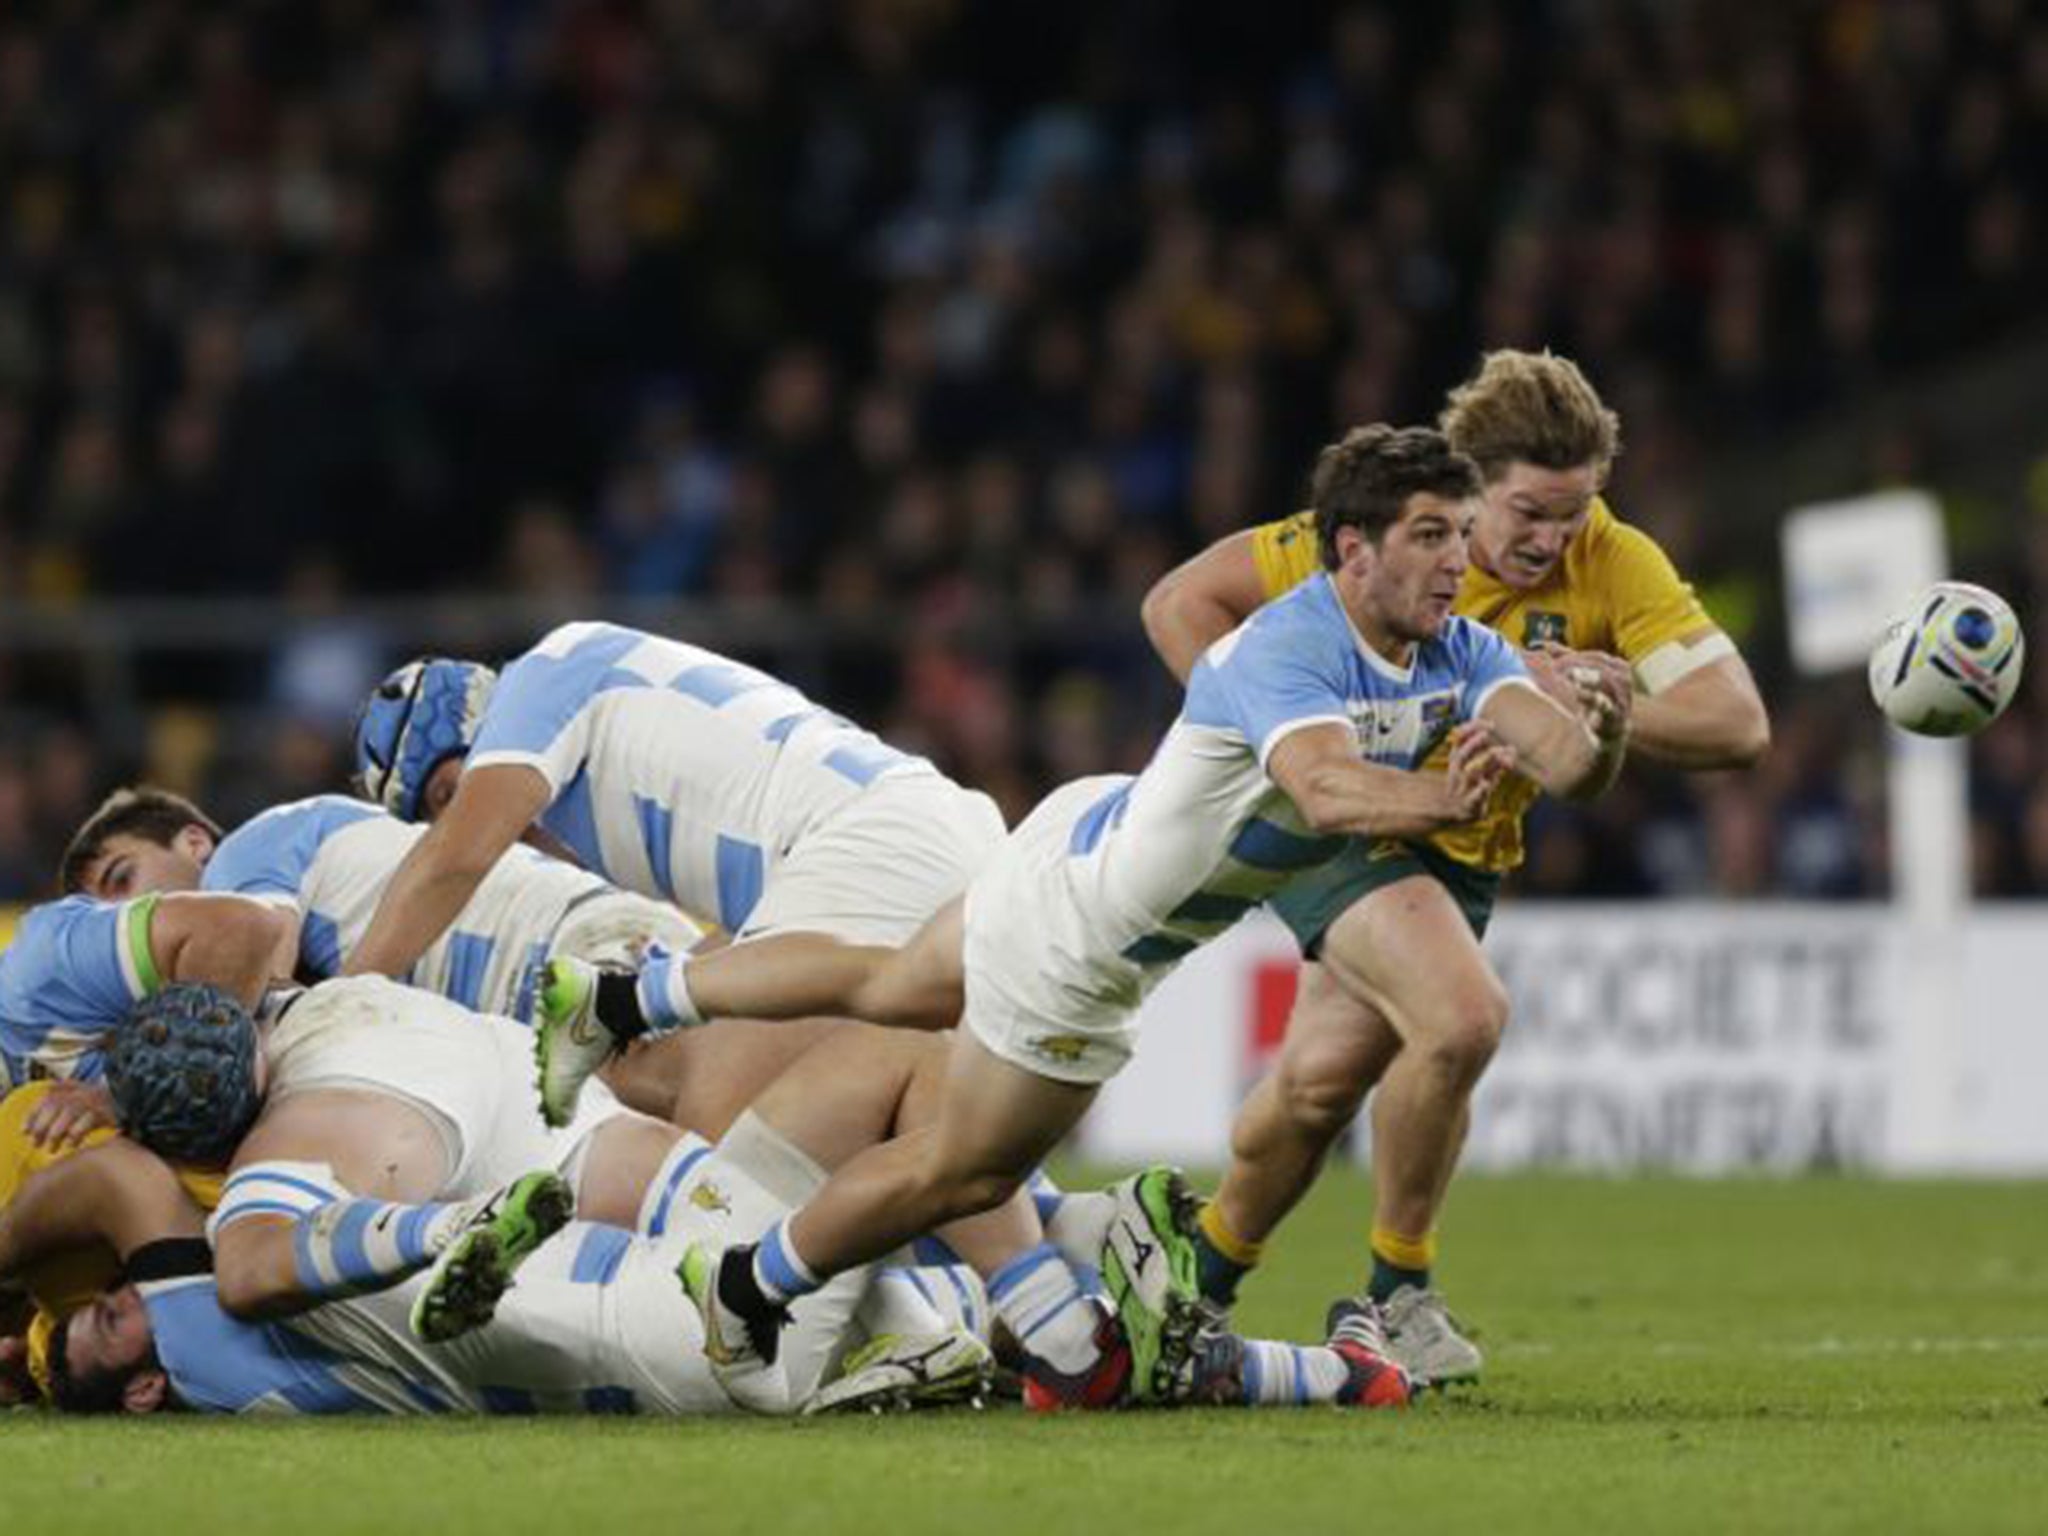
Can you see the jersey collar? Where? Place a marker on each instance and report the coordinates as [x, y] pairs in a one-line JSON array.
[[1387, 669]]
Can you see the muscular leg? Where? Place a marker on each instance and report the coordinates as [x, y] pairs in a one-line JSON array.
[[1407, 950], [1336, 1049], [798, 975], [863, 1085], [996, 1122]]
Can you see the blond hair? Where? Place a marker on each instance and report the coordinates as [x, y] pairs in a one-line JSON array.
[[1530, 408]]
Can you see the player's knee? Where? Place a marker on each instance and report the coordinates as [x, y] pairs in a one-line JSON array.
[[1464, 1039]]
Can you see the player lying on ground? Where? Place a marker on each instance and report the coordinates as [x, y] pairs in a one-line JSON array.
[[670, 771], [1396, 993], [335, 853], [58, 1284], [1298, 733], [333, 1192], [345, 1244]]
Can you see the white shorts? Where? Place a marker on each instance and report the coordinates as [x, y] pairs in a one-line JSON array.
[[616, 928], [877, 868], [470, 1074], [718, 1202], [1039, 995]]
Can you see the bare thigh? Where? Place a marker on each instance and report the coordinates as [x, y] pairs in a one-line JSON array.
[[702, 1078]]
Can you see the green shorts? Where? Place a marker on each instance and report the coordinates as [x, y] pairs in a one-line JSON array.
[[1310, 904]]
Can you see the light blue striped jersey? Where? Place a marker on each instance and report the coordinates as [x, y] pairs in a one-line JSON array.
[[70, 975], [1168, 860], [674, 771], [330, 857], [571, 1337]]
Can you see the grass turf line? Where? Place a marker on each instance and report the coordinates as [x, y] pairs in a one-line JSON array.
[[1814, 1356]]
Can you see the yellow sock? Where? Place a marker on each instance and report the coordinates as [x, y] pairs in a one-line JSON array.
[[1404, 1252], [1226, 1242]]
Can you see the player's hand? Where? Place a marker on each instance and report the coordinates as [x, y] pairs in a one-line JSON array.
[[1598, 687], [69, 1112], [1479, 760]]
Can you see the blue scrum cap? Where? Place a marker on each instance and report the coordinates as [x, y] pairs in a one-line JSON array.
[[182, 1071], [420, 716]]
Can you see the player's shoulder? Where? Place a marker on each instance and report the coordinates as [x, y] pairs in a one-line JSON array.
[[45, 927], [1293, 532], [323, 810], [1610, 549], [1306, 615], [285, 836], [1463, 638], [1285, 552], [582, 637]]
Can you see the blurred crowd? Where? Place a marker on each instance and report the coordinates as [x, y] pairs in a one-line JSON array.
[[948, 327]]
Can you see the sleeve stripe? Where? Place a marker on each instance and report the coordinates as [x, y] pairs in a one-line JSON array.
[[1513, 680], [537, 761], [138, 965], [1287, 728]]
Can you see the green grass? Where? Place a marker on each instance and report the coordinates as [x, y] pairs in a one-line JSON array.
[[1817, 1356]]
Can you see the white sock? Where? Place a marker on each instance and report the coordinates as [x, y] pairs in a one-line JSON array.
[[1040, 1301], [1278, 1374], [663, 989], [1076, 1223]]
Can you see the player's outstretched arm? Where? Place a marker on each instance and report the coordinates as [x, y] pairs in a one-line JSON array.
[[116, 1193], [492, 806], [1711, 716], [1201, 600], [1555, 746], [1319, 769], [232, 942]]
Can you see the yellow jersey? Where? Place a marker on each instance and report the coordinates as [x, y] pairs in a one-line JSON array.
[[61, 1285], [1615, 590]]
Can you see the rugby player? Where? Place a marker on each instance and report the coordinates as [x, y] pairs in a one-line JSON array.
[[1297, 735], [330, 857], [670, 771], [1396, 992]]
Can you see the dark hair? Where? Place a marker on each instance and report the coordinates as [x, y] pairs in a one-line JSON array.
[[154, 815], [182, 1071], [99, 1391], [1364, 481]]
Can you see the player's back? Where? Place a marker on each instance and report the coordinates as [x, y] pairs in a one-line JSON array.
[[676, 772], [333, 856]]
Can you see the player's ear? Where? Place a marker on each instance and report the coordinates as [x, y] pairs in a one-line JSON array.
[[195, 842], [1354, 551], [144, 1392]]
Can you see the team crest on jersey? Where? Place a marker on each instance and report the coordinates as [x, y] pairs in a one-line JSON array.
[[707, 1196], [1539, 627], [1437, 712], [1065, 1049]]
